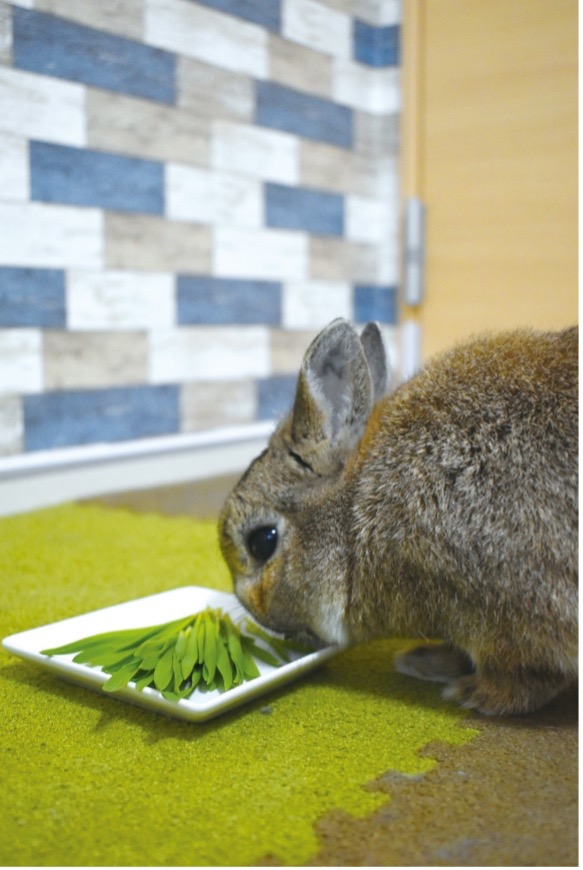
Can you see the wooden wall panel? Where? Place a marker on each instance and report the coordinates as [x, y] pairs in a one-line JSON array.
[[491, 147]]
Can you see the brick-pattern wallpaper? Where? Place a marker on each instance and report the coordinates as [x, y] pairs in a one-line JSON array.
[[188, 192]]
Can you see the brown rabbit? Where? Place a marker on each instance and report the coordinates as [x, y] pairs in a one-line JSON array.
[[446, 510]]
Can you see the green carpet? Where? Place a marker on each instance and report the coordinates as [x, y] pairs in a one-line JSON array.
[[89, 780]]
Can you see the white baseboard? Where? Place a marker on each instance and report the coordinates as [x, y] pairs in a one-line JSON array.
[[47, 478]]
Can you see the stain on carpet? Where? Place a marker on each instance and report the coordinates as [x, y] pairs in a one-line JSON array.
[[508, 798]]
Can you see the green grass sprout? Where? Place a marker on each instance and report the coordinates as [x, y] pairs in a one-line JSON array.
[[205, 651]]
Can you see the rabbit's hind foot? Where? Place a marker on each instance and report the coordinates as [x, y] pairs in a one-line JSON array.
[[504, 693], [438, 663]]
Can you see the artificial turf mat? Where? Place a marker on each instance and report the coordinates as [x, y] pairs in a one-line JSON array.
[[88, 780]]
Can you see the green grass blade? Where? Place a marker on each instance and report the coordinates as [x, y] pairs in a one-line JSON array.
[[149, 663], [263, 655], [280, 646], [151, 647], [190, 654], [177, 672], [181, 642], [236, 654], [146, 680], [121, 678], [163, 671], [224, 666], [103, 660], [195, 679], [200, 628], [123, 663], [250, 669], [210, 650]]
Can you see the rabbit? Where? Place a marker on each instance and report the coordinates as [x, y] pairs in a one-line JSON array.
[[445, 510]]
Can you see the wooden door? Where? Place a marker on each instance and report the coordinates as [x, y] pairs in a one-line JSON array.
[[490, 146]]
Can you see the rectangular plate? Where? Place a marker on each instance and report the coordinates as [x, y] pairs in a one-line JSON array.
[[154, 610]]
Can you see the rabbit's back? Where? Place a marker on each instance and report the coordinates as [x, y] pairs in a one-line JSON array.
[[472, 466]]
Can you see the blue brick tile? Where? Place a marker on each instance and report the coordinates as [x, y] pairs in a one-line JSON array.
[[299, 208], [376, 46], [372, 302], [32, 297], [208, 300], [267, 13], [56, 47], [79, 176], [63, 419], [286, 109], [275, 396]]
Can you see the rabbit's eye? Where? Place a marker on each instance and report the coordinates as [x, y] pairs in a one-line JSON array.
[[262, 542]]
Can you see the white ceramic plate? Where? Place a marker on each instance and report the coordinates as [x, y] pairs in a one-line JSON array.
[[154, 610]]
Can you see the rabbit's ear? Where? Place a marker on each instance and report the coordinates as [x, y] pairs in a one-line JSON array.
[[374, 350], [334, 395]]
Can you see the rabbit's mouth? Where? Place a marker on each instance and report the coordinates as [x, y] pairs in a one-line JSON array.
[[301, 636]]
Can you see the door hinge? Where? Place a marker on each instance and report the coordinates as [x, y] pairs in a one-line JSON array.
[[414, 252]]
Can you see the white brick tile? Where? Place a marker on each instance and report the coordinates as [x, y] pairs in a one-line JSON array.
[[14, 172], [5, 34], [207, 92], [124, 17], [206, 405], [386, 263], [390, 12], [119, 300], [266, 254], [371, 90], [36, 234], [208, 354], [255, 151], [387, 181], [344, 6], [20, 361], [203, 196], [39, 107], [207, 35], [377, 137], [378, 12], [83, 360], [288, 347], [334, 259], [313, 304], [144, 128], [371, 220], [300, 67], [317, 26], [11, 425], [140, 242]]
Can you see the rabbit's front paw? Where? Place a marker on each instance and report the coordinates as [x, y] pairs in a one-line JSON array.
[[438, 663]]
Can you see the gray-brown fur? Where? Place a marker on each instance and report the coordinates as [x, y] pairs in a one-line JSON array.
[[445, 510]]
